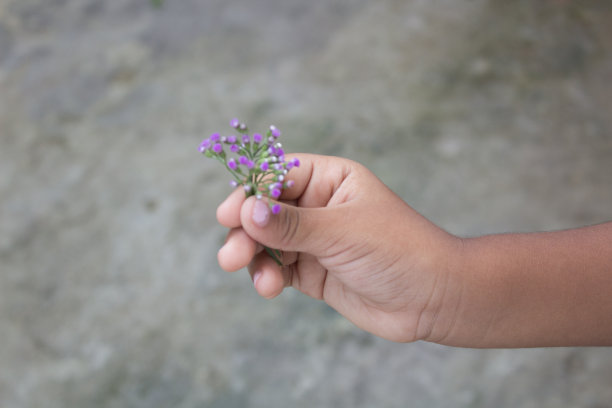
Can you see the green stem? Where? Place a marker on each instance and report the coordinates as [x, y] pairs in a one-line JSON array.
[[274, 254]]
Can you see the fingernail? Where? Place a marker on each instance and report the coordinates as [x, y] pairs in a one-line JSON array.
[[256, 277], [261, 213]]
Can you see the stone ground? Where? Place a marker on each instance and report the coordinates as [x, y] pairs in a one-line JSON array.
[[485, 115]]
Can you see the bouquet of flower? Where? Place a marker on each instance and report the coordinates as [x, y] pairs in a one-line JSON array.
[[256, 162]]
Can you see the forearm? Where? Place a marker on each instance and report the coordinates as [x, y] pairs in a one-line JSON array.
[[529, 290]]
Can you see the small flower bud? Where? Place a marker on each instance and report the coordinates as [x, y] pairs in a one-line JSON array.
[[274, 131], [235, 123], [231, 163], [276, 208], [257, 138], [204, 145], [217, 148]]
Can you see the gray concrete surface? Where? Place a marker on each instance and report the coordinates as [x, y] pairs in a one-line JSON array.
[[485, 115]]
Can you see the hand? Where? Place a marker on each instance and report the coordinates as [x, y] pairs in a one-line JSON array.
[[349, 240]]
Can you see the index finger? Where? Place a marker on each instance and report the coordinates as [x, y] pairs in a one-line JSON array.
[[228, 212], [316, 179]]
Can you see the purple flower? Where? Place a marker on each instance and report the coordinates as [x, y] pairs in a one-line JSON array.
[[235, 123], [290, 183], [275, 193], [245, 139], [243, 160], [217, 148], [274, 131], [257, 138], [234, 148], [276, 208], [215, 137], [296, 162], [250, 164], [264, 166], [233, 183], [231, 163], [231, 139], [204, 145]]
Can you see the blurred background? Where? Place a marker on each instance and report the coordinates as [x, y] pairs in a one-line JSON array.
[[484, 115]]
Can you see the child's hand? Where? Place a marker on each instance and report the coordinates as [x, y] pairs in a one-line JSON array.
[[350, 241]]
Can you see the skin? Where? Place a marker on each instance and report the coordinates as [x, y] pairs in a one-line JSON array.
[[350, 241]]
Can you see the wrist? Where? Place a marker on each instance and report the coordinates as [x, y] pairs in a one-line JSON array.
[[438, 319], [472, 298]]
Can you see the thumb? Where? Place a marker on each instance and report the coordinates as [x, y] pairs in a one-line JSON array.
[[292, 229]]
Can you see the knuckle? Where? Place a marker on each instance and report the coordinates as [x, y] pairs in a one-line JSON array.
[[291, 224]]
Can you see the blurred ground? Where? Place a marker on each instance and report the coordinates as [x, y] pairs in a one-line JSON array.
[[485, 115]]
